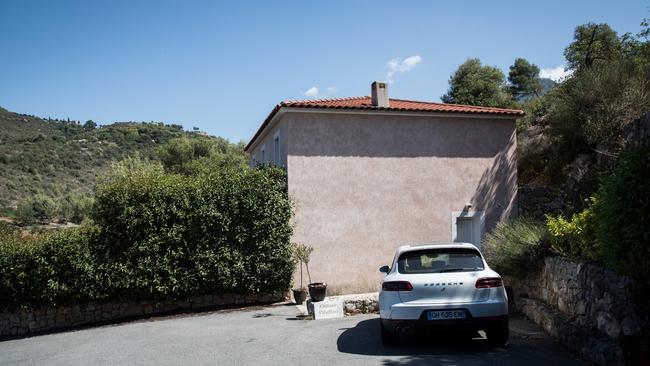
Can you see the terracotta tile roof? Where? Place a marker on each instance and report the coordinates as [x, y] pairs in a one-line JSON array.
[[397, 105]]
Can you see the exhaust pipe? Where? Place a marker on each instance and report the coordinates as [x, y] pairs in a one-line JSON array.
[[404, 329]]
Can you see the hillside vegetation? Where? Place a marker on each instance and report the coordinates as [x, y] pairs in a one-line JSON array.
[[584, 143], [48, 167]]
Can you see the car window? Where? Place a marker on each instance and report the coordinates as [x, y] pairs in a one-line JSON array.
[[440, 260]]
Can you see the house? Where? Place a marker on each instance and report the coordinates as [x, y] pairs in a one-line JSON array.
[[368, 174]]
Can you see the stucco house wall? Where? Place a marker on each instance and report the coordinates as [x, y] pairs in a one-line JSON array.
[[368, 174], [365, 183]]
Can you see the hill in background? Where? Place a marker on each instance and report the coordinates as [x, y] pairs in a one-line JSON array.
[[59, 159]]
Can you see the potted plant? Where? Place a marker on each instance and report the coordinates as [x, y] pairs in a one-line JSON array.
[[317, 290], [302, 253]]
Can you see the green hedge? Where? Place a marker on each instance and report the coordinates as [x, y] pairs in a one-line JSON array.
[[47, 268], [172, 235], [157, 236], [623, 214]]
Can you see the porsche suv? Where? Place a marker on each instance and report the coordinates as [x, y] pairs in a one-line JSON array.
[[444, 287]]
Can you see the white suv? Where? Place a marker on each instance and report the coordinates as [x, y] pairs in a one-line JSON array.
[[444, 286]]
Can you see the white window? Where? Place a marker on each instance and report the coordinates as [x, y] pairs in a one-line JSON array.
[[276, 149], [253, 160], [263, 161]]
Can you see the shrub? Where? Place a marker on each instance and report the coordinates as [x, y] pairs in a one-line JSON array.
[[39, 208], [575, 238], [7, 233], [516, 247], [10, 236], [48, 268], [191, 155], [75, 207], [167, 235], [623, 214]]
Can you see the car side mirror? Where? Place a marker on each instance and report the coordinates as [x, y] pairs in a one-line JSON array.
[[384, 269]]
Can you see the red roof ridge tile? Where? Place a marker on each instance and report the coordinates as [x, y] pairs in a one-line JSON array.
[[322, 100], [455, 105]]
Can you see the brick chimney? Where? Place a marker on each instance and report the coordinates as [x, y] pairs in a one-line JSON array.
[[379, 92]]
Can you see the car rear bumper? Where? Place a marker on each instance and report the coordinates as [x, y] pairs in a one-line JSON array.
[[423, 325], [416, 310]]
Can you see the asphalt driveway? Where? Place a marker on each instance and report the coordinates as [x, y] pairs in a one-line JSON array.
[[271, 335]]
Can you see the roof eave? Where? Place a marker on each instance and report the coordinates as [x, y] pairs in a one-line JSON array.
[[266, 122], [283, 107]]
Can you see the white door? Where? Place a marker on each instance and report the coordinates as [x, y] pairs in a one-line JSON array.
[[465, 230], [467, 227]]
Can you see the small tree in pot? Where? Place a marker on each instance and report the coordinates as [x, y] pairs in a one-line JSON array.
[[302, 253], [317, 290]]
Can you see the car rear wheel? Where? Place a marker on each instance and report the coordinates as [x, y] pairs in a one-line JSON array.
[[498, 333], [388, 338]]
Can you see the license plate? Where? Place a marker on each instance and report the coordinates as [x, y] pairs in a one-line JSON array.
[[446, 314]]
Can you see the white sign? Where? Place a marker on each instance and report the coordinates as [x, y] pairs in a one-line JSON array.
[[326, 309]]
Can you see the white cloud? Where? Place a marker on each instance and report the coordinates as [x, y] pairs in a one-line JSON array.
[[312, 92], [398, 65], [555, 73]]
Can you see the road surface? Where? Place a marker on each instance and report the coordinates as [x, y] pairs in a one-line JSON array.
[[273, 335]]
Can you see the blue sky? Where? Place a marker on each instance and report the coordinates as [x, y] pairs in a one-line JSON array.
[[222, 66]]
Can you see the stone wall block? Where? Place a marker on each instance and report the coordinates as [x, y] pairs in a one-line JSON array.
[[581, 307], [61, 320], [132, 310], [608, 324], [630, 326], [264, 298]]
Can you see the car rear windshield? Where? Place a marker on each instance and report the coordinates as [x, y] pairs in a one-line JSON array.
[[440, 260]]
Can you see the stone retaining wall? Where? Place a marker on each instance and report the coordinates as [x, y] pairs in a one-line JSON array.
[[28, 321], [536, 202], [361, 303], [592, 345], [592, 309]]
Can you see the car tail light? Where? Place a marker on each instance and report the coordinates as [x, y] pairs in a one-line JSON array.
[[397, 286], [488, 282]]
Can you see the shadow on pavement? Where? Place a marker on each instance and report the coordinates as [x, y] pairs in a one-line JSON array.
[[364, 339]]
